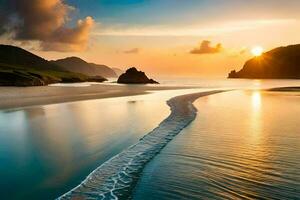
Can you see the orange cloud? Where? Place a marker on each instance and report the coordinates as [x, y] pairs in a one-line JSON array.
[[45, 21], [243, 51], [206, 48], [70, 39], [132, 51]]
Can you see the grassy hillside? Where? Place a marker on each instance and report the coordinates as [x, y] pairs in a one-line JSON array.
[[19, 67], [78, 65], [15, 56]]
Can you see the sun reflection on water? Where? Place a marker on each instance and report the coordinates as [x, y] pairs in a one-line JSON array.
[[256, 100], [255, 118], [257, 84]]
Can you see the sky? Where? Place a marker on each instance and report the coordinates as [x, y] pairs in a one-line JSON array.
[[192, 38]]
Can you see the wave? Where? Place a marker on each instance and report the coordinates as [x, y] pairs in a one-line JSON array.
[[116, 178]]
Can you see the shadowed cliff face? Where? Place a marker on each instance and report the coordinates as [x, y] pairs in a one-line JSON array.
[[15, 56], [133, 76], [279, 63]]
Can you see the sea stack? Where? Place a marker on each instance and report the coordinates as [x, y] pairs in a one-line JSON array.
[[133, 76]]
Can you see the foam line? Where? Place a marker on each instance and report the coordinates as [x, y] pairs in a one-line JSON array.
[[116, 178]]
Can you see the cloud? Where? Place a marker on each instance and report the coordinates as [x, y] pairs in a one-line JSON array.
[[243, 51], [70, 39], [132, 51], [46, 22], [206, 48], [198, 30], [233, 53]]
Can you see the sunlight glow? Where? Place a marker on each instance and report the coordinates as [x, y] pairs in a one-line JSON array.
[[256, 118], [256, 100], [257, 51]]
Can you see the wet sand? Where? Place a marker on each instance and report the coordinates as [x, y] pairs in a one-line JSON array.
[[13, 97], [285, 89]]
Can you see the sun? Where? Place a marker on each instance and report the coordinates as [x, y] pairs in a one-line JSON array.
[[257, 51]]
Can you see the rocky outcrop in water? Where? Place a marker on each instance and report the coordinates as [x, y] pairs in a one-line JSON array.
[[133, 76]]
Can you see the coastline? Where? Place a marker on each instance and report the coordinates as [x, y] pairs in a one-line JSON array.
[[102, 91], [118, 176], [14, 97], [285, 89]]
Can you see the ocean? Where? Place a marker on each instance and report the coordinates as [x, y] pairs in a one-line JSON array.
[[244, 150], [46, 151]]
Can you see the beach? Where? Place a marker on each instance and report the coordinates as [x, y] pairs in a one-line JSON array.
[[85, 140], [149, 100], [13, 97], [62, 143], [117, 177]]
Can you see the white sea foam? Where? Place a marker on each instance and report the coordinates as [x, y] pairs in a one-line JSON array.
[[116, 178]]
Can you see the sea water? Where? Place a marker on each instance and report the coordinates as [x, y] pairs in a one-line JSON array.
[[45, 151], [242, 145]]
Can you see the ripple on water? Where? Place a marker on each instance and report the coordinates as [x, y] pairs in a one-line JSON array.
[[116, 178], [244, 150]]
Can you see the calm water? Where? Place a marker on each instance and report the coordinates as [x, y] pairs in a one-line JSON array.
[[204, 83], [242, 145], [231, 83], [47, 150]]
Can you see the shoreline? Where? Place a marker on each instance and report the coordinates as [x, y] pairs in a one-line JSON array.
[[16, 97], [285, 89], [118, 176]]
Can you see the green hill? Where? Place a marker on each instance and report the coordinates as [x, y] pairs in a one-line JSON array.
[[78, 65], [19, 67], [279, 63]]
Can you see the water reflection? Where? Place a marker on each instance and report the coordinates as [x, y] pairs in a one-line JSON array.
[[257, 84], [246, 147], [47, 150], [255, 116], [256, 100]]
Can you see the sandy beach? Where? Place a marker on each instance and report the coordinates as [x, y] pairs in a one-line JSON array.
[[77, 138], [13, 97], [147, 100]]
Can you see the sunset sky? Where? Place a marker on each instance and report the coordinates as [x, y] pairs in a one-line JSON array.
[[163, 37]]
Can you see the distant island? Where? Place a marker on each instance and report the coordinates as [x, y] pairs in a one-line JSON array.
[[133, 76], [19, 67], [279, 63], [117, 71], [75, 64]]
